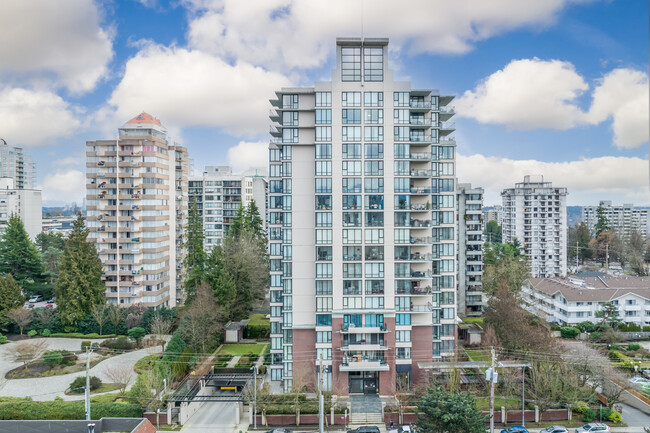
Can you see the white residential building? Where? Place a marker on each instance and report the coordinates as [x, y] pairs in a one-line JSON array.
[[494, 213], [573, 300], [362, 223], [17, 165], [624, 219], [470, 250], [534, 213], [25, 203], [219, 193], [136, 201]]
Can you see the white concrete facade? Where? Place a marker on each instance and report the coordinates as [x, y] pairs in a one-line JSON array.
[[569, 301], [362, 225], [25, 203], [623, 219], [17, 165], [534, 212], [141, 239], [470, 250]]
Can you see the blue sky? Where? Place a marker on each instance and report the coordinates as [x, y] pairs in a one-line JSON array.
[[558, 87]]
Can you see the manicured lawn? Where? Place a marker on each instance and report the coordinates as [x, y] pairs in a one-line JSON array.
[[241, 349], [259, 320], [484, 403], [478, 355], [477, 320]]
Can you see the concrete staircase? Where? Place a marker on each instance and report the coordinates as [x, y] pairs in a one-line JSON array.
[[366, 410]]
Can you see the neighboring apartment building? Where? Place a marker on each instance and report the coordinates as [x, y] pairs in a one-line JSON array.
[[624, 219], [137, 212], [494, 213], [361, 227], [17, 165], [534, 212], [470, 250], [574, 300], [26, 203], [219, 193]]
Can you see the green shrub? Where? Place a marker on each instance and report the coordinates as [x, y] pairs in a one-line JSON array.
[[569, 332], [32, 333], [586, 326], [580, 407], [46, 332], [629, 327], [61, 410], [119, 343], [596, 335], [633, 346], [3, 339], [52, 359], [77, 386], [646, 329], [588, 415], [137, 334], [80, 335], [257, 331], [604, 413], [262, 369], [614, 416], [85, 345]]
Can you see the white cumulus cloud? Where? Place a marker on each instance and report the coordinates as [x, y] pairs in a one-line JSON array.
[[298, 33], [534, 93], [32, 118], [63, 38], [186, 88], [247, 154], [64, 186], [621, 179]]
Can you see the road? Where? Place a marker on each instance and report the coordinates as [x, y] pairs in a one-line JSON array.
[[634, 417], [213, 417], [47, 388]]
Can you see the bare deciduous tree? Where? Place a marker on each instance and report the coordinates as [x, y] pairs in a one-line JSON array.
[[115, 315], [160, 327], [120, 375], [29, 351], [21, 317], [203, 320], [99, 314]]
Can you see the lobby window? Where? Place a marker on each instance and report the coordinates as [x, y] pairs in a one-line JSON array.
[[351, 64], [373, 64]]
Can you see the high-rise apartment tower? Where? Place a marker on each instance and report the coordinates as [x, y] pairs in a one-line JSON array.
[[17, 165], [362, 223], [470, 250], [136, 201]]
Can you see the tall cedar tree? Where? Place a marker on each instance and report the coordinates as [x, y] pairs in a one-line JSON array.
[[51, 246], [195, 260], [19, 256], [79, 286], [10, 297], [602, 223], [505, 268]]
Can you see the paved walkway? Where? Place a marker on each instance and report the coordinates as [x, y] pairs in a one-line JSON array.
[[47, 388]]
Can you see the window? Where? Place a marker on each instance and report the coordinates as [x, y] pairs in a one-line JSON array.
[[374, 202], [324, 254], [351, 219], [374, 270], [402, 184], [289, 101], [351, 99], [324, 287], [351, 202], [375, 287], [446, 169], [373, 99], [373, 168], [323, 219], [374, 219], [375, 302], [323, 236], [352, 303], [351, 184], [352, 236], [402, 133], [401, 99], [402, 168], [402, 336], [323, 185], [323, 305], [374, 184], [290, 118], [350, 64], [323, 99], [373, 64], [352, 151], [351, 116], [323, 270], [374, 320], [374, 236], [323, 168], [374, 133], [402, 319], [352, 168], [290, 135], [323, 117], [323, 202], [352, 270], [350, 133], [400, 116], [374, 116], [374, 151], [351, 287], [324, 337], [323, 320], [323, 133], [323, 151]]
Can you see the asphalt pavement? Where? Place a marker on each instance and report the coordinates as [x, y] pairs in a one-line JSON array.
[[217, 416]]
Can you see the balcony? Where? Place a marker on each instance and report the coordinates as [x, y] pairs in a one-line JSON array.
[[415, 291], [420, 191], [364, 346], [420, 105], [367, 365], [421, 173], [352, 329], [419, 156], [420, 139]]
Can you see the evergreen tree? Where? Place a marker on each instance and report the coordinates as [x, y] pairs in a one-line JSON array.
[[79, 286], [443, 412], [602, 223], [195, 260], [253, 223], [493, 231], [46, 240], [10, 296], [19, 256]]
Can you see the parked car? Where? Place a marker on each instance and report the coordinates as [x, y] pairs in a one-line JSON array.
[[36, 298], [598, 427], [515, 429], [638, 380], [52, 300], [555, 429], [365, 429]]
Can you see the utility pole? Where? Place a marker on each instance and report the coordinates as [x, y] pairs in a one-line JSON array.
[[492, 380], [577, 254], [87, 383], [606, 257], [254, 368], [523, 394], [321, 403]]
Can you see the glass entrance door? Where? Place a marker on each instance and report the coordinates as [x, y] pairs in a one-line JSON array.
[[363, 382]]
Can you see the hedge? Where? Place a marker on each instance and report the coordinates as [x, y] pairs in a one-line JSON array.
[[59, 409], [80, 335]]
